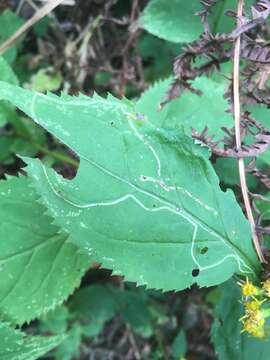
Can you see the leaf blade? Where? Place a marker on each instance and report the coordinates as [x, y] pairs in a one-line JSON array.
[[39, 265], [132, 197], [172, 20], [16, 345]]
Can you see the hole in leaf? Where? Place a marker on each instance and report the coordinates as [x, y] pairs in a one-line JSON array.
[[204, 250], [67, 165], [195, 272]]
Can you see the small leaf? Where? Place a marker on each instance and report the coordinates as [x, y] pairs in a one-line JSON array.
[[264, 207], [179, 346], [6, 145], [46, 80], [7, 111], [261, 114], [55, 321], [94, 305], [15, 345], [70, 347], [10, 22]]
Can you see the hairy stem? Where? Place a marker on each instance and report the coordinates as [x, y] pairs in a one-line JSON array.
[[237, 118]]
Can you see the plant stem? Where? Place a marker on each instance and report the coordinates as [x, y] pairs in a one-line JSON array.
[[237, 119], [53, 153]]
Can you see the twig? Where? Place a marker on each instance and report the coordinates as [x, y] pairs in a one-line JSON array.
[[45, 10], [65, 2], [237, 118], [19, 7], [130, 41], [132, 340]]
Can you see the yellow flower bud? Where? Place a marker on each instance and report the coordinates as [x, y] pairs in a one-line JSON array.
[[259, 333], [252, 306], [248, 289], [253, 323]]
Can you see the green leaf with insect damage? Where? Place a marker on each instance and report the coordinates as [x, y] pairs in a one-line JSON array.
[[146, 201]]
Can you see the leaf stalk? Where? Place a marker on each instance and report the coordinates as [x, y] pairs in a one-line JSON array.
[[237, 120]]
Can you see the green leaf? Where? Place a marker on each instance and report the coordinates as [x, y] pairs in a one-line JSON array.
[[42, 26], [94, 305], [261, 114], [28, 138], [133, 308], [7, 111], [132, 204], [15, 345], [227, 170], [98, 304], [264, 207], [229, 342], [224, 23], [189, 110], [158, 54], [9, 23], [70, 347], [6, 145], [24, 138], [179, 346], [172, 20], [55, 321], [102, 78], [175, 20], [6, 72], [46, 80], [40, 267]]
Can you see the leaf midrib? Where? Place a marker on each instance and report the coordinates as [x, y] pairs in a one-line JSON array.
[[198, 221]]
